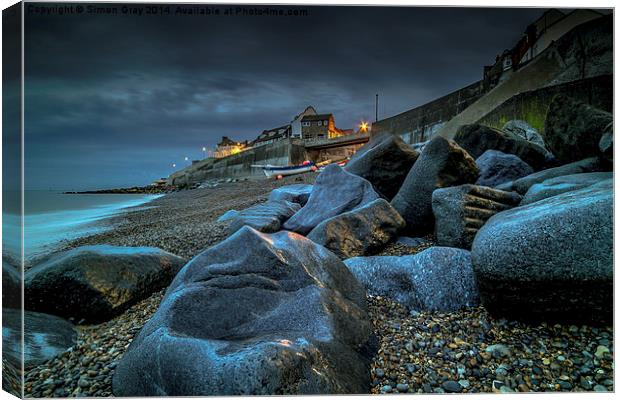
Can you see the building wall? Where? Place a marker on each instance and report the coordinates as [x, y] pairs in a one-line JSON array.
[[296, 123], [316, 131], [421, 123]]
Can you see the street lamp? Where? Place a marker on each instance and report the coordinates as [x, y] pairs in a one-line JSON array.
[[174, 165], [204, 152], [364, 127]]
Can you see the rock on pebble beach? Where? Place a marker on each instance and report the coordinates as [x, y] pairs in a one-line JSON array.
[[298, 193], [460, 211], [385, 164], [522, 185], [524, 130], [550, 260], [573, 129], [45, 336], [359, 232], [442, 163], [255, 314], [11, 286], [335, 192], [497, 168], [477, 139], [264, 217], [561, 184], [95, 283], [439, 278]]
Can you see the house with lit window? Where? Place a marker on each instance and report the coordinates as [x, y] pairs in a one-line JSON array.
[[320, 126], [227, 147]]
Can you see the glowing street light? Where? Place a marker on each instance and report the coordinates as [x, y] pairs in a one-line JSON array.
[[204, 152], [363, 127], [174, 165]]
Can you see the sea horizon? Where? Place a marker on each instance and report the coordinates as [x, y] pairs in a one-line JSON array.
[[53, 217]]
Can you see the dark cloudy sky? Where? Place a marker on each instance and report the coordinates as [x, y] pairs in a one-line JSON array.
[[115, 100]]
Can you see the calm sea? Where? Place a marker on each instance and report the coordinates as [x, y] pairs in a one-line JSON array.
[[52, 217]]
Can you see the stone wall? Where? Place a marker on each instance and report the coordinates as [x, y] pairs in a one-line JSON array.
[[284, 152], [420, 123], [532, 106]]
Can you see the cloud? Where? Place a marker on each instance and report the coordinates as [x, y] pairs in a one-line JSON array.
[[110, 94]]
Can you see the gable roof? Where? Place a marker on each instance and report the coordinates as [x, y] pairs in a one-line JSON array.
[[318, 117]]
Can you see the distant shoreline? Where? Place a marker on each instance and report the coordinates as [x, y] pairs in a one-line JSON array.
[[132, 190]]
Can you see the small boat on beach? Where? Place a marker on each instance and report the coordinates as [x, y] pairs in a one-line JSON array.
[[275, 170]]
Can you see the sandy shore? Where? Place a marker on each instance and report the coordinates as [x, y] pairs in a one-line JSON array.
[[419, 352]]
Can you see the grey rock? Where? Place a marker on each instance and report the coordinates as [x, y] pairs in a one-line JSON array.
[[562, 184], [299, 193], [600, 388], [402, 387], [95, 283], [11, 286], [460, 211], [385, 164], [264, 217], [452, 387], [573, 129], [438, 279], [606, 144], [359, 232], [256, 314], [550, 260], [228, 215], [497, 168], [45, 336], [442, 163], [411, 242], [498, 350], [525, 131], [522, 185], [476, 139], [335, 192]]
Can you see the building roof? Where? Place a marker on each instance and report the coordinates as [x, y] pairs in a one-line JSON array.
[[318, 117], [308, 109]]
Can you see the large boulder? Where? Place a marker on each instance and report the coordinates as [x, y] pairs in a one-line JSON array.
[[359, 232], [256, 314], [522, 185], [442, 163], [298, 193], [96, 283], [11, 286], [385, 164], [497, 168], [264, 217], [551, 260], [335, 192], [477, 139], [460, 211], [561, 184], [573, 129], [525, 131], [437, 279], [45, 336]]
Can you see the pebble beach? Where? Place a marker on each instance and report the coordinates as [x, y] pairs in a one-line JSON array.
[[467, 351]]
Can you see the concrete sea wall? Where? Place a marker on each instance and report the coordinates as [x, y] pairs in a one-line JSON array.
[[419, 124], [532, 106], [285, 152]]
